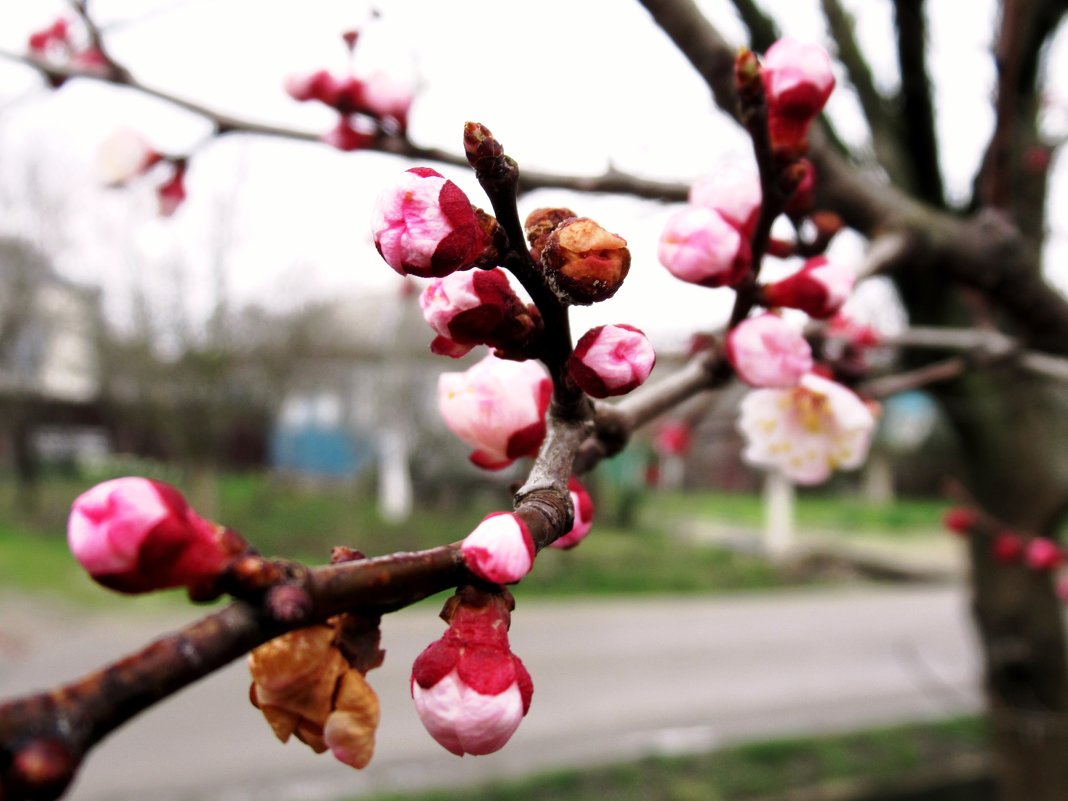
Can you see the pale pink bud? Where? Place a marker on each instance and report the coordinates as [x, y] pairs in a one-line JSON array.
[[611, 360], [1043, 554], [498, 408], [500, 549], [819, 288], [124, 155], [733, 191], [583, 506], [346, 138], [138, 535], [767, 351], [699, 246], [319, 85], [386, 96], [798, 79], [470, 691], [476, 307], [424, 225], [807, 431]]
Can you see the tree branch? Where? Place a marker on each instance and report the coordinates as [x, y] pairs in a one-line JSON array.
[[763, 32], [612, 180], [883, 126], [918, 138]]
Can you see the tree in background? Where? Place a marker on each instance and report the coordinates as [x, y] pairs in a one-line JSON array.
[[988, 337]]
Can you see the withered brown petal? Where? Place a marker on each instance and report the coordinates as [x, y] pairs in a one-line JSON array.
[[350, 729]]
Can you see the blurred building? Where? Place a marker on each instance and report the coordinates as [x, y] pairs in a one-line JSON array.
[[49, 361]]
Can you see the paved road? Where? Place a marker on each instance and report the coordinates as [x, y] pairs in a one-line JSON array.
[[613, 679]]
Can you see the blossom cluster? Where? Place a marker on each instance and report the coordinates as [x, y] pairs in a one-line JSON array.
[[67, 45], [365, 105], [1008, 547], [797, 420]]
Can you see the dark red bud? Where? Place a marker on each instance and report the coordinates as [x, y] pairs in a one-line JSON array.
[[480, 146]]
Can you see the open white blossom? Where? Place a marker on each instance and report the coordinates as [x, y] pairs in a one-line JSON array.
[[807, 431]]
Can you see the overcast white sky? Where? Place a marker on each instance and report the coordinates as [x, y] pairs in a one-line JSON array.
[[566, 86]]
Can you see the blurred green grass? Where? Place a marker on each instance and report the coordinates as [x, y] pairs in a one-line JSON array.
[[878, 757], [287, 519]]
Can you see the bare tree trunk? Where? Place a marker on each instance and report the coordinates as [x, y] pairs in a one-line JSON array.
[[1014, 443]]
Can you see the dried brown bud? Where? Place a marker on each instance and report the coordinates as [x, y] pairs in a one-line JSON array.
[[252, 573], [343, 553], [350, 729], [583, 262], [540, 223]]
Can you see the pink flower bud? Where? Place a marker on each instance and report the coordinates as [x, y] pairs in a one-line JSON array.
[[673, 438], [699, 246], [91, 59], [1043, 554], [319, 85], [124, 155], [56, 34], [500, 549], [346, 138], [386, 97], [583, 505], [798, 79], [470, 691], [138, 535], [819, 288], [611, 360], [498, 408], [1008, 547], [766, 351], [959, 520], [733, 191], [807, 431], [171, 194], [424, 225], [804, 196], [476, 307]]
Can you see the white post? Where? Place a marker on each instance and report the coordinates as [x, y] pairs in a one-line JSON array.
[[778, 515]]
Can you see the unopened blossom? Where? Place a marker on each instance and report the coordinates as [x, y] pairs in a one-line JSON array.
[[583, 262], [319, 85], [807, 431], [470, 691], [1043, 553], [734, 191], [500, 549], [346, 138], [388, 97], [767, 351], [611, 360], [137, 535], [124, 155], [700, 246], [171, 193], [819, 288], [1008, 547], [424, 225], [798, 80], [959, 520], [583, 522], [55, 35], [476, 307], [498, 408]]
